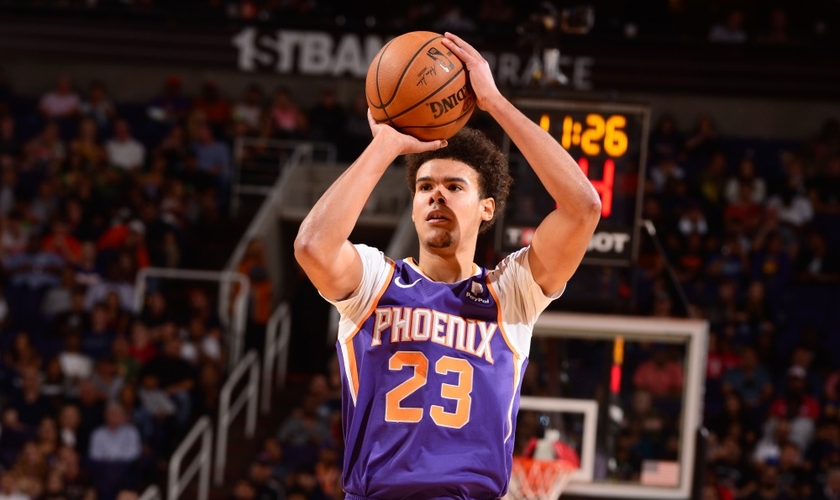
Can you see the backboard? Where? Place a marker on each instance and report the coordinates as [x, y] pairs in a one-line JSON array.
[[625, 393]]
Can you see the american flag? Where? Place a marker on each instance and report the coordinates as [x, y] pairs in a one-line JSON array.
[[660, 473]]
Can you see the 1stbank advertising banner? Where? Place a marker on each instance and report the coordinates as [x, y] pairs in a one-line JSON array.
[[319, 53]]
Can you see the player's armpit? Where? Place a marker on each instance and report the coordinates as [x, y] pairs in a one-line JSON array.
[[558, 246]]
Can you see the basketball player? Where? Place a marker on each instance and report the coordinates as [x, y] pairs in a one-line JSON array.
[[433, 350]]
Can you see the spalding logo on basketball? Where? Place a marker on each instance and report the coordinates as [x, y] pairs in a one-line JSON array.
[[416, 85]]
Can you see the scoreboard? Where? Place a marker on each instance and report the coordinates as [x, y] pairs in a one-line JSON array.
[[609, 142]]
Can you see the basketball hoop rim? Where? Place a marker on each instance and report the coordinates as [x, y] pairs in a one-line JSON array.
[[533, 479]]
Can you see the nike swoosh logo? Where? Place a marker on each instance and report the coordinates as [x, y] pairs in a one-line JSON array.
[[402, 285]]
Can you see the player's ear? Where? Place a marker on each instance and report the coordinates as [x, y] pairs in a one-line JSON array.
[[488, 208]]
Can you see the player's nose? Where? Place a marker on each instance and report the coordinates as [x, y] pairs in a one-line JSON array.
[[437, 197]]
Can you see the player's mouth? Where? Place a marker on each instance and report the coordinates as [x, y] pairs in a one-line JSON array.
[[436, 217]]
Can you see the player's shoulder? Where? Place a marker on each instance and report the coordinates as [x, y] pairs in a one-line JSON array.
[[515, 262], [372, 255]]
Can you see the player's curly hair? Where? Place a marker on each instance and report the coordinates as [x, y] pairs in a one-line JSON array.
[[476, 150]]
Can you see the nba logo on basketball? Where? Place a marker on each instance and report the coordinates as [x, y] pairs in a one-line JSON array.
[[441, 59]]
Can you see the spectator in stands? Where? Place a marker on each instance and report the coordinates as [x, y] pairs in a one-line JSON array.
[[98, 106], [75, 365], [791, 210], [141, 347], [451, 17], [304, 431], [663, 174], [45, 152], [15, 235], [356, 129], [60, 102], [248, 113], [115, 448], [10, 146], [665, 141], [826, 190], [61, 242], [124, 151], [31, 470], [173, 149], [201, 344], [797, 407], [22, 354], [170, 106], [831, 489], [8, 185], [69, 420], [86, 146], [77, 483], [117, 440], [662, 375], [731, 31], [766, 487], [777, 32], [769, 448], [151, 431], [92, 410], [175, 376], [215, 109], [127, 367], [59, 299], [116, 281], [76, 319], [9, 489], [815, 263], [287, 119], [703, 142], [31, 405], [328, 472], [273, 452], [213, 158], [751, 383], [255, 266], [745, 212], [243, 490], [265, 486], [47, 438], [327, 118], [107, 380], [53, 385], [96, 342], [746, 176]]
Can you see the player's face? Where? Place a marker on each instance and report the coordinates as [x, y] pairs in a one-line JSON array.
[[447, 205]]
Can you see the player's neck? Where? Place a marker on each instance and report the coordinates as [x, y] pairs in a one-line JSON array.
[[446, 267]]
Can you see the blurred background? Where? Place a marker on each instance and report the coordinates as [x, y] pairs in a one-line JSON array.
[[156, 158]]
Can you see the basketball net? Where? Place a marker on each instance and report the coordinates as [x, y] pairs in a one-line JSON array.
[[543, 470], [532, 479]]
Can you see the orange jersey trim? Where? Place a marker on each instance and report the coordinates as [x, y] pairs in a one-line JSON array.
[[353, 367]]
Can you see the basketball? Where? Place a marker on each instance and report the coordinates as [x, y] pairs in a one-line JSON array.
[[416, 85]]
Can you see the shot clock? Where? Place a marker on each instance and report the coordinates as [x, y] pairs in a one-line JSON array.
[[608, 141]]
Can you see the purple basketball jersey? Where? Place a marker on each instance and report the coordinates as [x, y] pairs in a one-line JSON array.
[[430, 393]]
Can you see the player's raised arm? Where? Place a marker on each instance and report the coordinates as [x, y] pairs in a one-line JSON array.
[[561, 239], [321, 247]]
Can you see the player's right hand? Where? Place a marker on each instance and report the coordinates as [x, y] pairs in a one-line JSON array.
[[407, 144], [481, 78]]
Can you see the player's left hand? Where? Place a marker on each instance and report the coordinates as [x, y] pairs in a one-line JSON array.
[[481, 78]]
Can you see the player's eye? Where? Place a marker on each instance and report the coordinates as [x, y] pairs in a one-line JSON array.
[[455, 187], [424, 187]]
